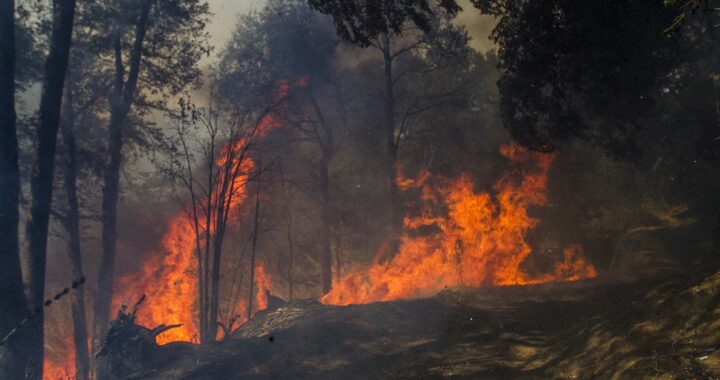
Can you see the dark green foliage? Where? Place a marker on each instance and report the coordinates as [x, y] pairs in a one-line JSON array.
[[361, 22], [582, 69]]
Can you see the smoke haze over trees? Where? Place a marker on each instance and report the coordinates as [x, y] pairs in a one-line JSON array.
[[327, 144]]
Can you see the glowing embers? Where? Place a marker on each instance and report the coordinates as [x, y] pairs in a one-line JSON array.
[[463, 237]]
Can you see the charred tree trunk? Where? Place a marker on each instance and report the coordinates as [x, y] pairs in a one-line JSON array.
[[291, 254], [391, 143], [201, 293], [205, 307], [106, 270], [338, 248], [327, 146], [120, 103], [326, 260], [230, 172], [72, 226], [254, 248], [13, 304], [289, 235], [131, 349], [195, 216], [43, 170], [215, 278]]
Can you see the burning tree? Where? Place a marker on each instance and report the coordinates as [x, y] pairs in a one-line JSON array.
[[152, 49], [297, 42], [414, 40], [216, 196], [213, 167]]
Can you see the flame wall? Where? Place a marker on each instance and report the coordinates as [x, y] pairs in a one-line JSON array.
[[476, 238]]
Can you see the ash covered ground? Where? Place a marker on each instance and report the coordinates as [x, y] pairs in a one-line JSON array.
[[655, 328]]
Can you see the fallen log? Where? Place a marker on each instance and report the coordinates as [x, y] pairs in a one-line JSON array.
[[130, 348]]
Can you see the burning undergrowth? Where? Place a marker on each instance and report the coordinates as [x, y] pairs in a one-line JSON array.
[[464, 237], [459, 237]]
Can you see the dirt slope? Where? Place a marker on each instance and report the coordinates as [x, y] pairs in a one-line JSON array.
[[577, 330]]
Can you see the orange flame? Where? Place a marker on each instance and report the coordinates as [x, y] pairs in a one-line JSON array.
[[57, 368], [262, 284], [169, 277], [480, 241]]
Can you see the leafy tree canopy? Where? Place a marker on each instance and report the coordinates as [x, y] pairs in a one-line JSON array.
[[362, 21]]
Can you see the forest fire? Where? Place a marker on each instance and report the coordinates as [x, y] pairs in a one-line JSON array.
[[170, 278], [480, 242], [334, 189]]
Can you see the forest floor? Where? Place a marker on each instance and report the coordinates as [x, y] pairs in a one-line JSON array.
[[655, 329]]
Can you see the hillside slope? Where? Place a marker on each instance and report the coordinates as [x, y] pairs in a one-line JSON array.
[[652, 329]]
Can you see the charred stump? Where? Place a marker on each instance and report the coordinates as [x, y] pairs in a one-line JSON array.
[[130, 348]]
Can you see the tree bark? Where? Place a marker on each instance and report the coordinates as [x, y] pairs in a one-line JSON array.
[[72, 226], [120, 103], [338, 248], [43, 170], [326, 260], [195, 219], [215, 278], [390, 139], [13, 304], [291, 253], [327, 147], [208, 221], [254, 248], [230, 172]]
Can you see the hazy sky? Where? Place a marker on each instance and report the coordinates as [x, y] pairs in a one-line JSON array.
[[225, 14]]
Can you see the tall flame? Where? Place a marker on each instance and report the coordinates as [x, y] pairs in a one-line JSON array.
[[169, 277], [474, 238]]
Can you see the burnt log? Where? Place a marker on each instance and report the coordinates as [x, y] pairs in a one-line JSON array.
[[129, 348], [273, 302]]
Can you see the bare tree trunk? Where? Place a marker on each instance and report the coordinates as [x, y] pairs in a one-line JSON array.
[[291, 253], [195, 218], [206, 265], [222, 211], [13, 304], [201, 292], [327, 146], [254, 248], [43, 170], [215, 278], [72, 226], [120, 103], [106, 270], [338, 248], [289, 232], [392, 144], [326, 259]]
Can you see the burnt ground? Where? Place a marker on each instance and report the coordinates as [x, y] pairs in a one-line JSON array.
[[661, 329]]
